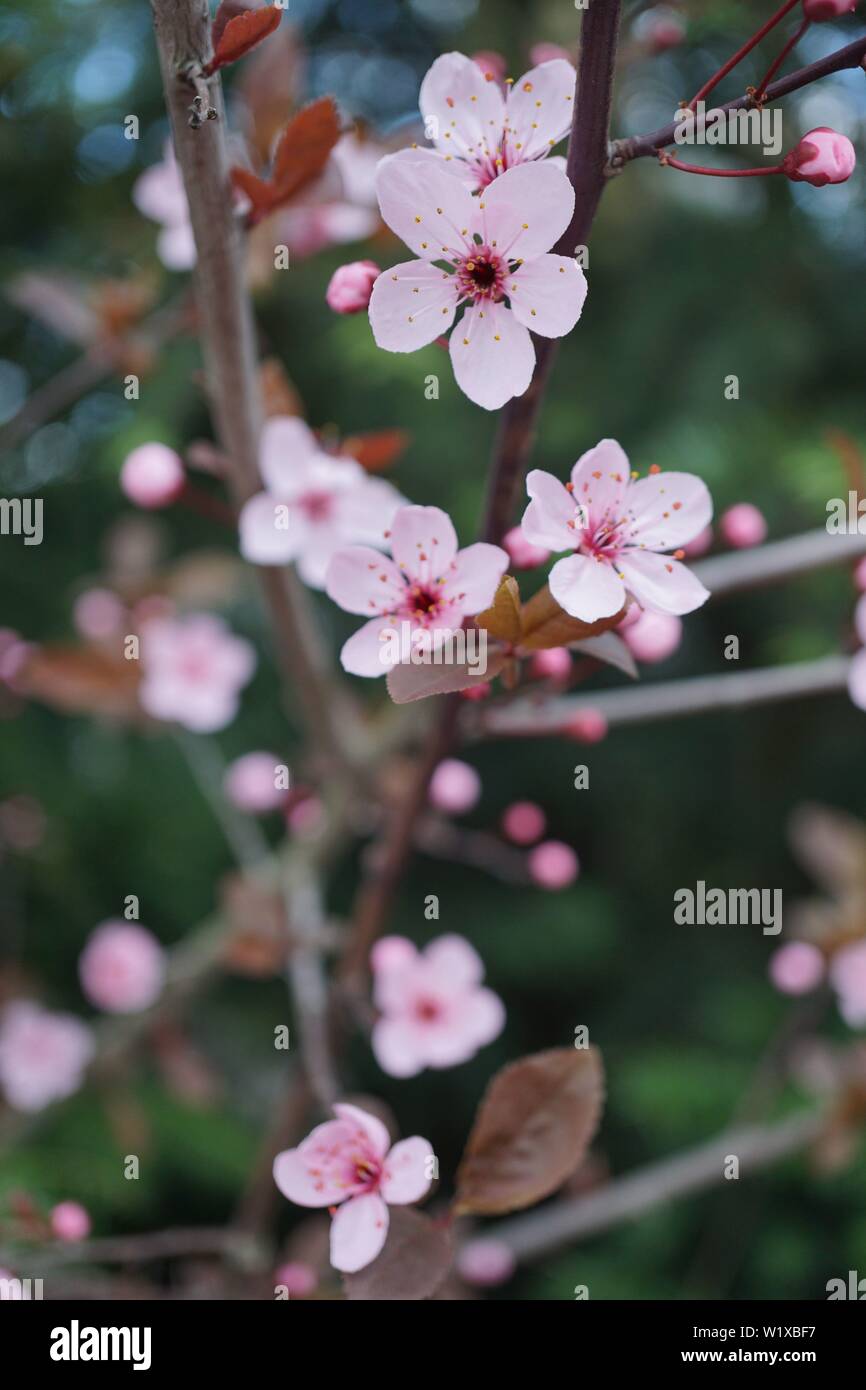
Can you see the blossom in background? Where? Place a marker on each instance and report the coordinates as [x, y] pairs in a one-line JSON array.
[[429, 585], [523, 822], [434, 1010], [43, 1055], [742, 526], [553, 865], [857, 669], [349, 1163], [617, 528], [455, 787], [350, 287], [69, 1221], [122, 967], [479, 131], [193, 669], [252, 782], [159, 194], [651, 636], [500, 271], [337, 208], [314, 504], [152, 476], [848, 977], [797, 967]]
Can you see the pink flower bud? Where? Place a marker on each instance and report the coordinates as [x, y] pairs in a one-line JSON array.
[[547, 53], [476, 692], [742, 526], [860, 574], [523, 822], [587, 726], [522, 553], [455, 787], [351, 286], [653, 636], [554, 663], [486, 1262], [69, 1221], [152, 476], [700, 545], [491, 64], [860, 618], [819, 10], [796, 968], [553, 865], [122, 967], [250, 783], [297, 1278], [822, 156], [97, 614]]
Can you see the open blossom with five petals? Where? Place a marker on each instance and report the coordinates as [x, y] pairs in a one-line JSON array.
[[193, 669], [429, 585], [484, 132], [618, 528], [434, 1010], [490, 256], [348, 1163], [314, 503]]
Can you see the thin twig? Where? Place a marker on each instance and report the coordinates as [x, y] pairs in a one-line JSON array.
[[787, 559]]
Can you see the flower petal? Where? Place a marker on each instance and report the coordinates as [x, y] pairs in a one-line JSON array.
[[365, 513], [526, 210], [358, 1232], [425, 205], [474, 577], [367, 651], [411, 304], [661, 583], [264, 539], [668, 510], [546, 519], [463, 113], [547, 294], [600, 482], [587, 588], [396, 1045], [287, 445], [857, 679], [407, 1174], [423, 542], [539, 108], [456, 963], [361, 580], [368, 1129], [492, 355]]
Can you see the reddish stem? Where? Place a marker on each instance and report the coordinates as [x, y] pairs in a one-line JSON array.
[[741, 52], [720, 173], [795, 38]]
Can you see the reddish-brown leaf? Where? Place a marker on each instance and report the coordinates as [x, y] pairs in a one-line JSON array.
[[378, 450], [502, 618], [81, 680], [301, 155], [532, 1129], [407, 682], [415, 1260], [235, 34], [259, 191], [545, 624]]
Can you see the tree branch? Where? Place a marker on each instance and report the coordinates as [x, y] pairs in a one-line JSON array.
[[787, 559]]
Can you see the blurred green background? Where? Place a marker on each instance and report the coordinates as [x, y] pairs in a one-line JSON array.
[[690, 280]]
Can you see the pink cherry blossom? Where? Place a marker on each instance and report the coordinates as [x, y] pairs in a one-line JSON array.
[[434, 1010], [159, 194], [348, 1163], [491, 65], [523, 555], [700, 545], [500, 274], [486, 1262], [742, 526], [350, 287], [860, 574], [152, 476], [315, 503], [617, 529], [43, 1055], [796, 968], [857, 679], [297, 1278], [553, 663], [523, 822], [820, 10], [822, 156], [193, 669], [455, 787], [484, 132], [587, 726], [652, 636], [848, 978], [98, 614], [429, 585], [250, 783], [122, 967], [553, 865], [69, 1221]]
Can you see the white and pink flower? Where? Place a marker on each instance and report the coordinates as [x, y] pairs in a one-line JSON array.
[[618, 528], [485, 132], [349, 1163], [314, 504], [159, 194], [429, 585], [193, 669], [434, 1010], [43, 1055], [489, 256]]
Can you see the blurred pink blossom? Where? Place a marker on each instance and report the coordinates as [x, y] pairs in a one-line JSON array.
[[122, 967], [553, 865], [587, 726], [250, 783], [314, 504], [349, 1163], [159, 194], [298, 1279], [98, 614], [523, 822], [491, 65], [742, 526], [350, 287], [193, 669], [820, 10], [69, 1221], [659, 28], [848, 977], [428, 584], [486, 1262], [652, 636], [306, 817], [455, 787], [796, 968], [152, 476], [860, 574], [700, 545], [617, 529], [339, 207], [523, 555], [552, 663], [43, 1055], [434, 1010]]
